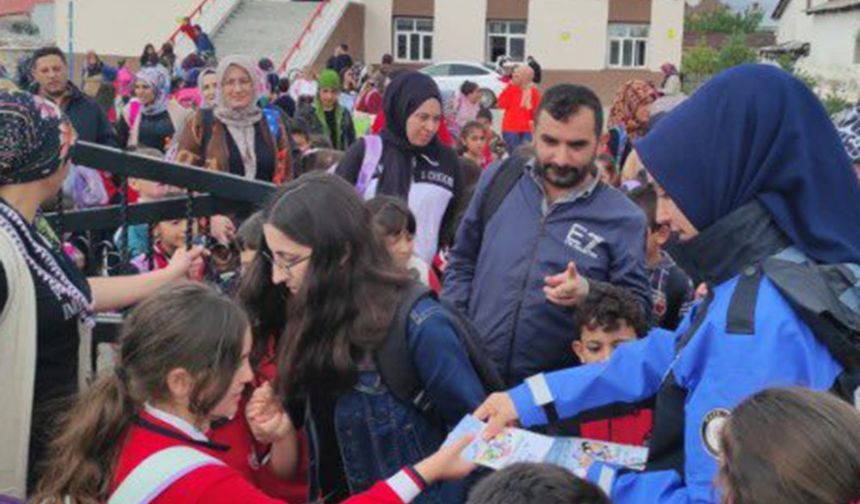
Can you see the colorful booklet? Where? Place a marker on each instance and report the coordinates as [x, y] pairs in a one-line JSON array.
[[518, 445]]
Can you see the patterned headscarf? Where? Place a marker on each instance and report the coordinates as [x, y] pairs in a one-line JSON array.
[[849, 133], [631, 109], [35, 138], [158, 80]]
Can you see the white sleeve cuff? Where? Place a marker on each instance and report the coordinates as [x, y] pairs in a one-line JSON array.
[[540, 389], [404, 486]]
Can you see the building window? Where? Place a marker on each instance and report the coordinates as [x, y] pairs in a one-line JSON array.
[[413, 39], [506, 38], [628, 44]]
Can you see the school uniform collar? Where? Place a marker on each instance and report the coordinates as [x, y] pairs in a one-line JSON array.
[[571, 197], [177, 423]]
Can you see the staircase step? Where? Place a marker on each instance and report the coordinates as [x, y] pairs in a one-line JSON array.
[[263, 28]]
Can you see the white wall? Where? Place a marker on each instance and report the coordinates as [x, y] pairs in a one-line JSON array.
[[832, 43], [831, 54], [119, 27], [666, 34], [43, 16], [568, 34], [377, 28], [460, 30], [795, 25]]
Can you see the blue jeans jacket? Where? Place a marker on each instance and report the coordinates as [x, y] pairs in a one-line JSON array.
[[378, 434]]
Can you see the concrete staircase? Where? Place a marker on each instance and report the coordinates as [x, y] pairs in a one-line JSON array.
[[263, 28]]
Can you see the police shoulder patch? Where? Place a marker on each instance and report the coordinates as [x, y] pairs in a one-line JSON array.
[[712, 428]]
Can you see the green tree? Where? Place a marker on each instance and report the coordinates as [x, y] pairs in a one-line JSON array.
[[724, 20], [700, 60], [834, 103], [735, 52]]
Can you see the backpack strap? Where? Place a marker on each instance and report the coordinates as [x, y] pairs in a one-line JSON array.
[[208, 116], [397, 367], [372, 155], [157, 472], [740, 318], [500, 185], [273, 120], [392, 359]]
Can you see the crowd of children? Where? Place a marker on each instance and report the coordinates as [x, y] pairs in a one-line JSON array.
[[308, 355]]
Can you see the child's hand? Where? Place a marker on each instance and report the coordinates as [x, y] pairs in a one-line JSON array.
[[447, 464], [182, 261], [222, 229], [266, 417]]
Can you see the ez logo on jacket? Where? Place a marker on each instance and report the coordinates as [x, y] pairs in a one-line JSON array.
[[582, 240]]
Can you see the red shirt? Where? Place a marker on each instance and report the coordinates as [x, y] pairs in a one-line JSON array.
[[632, 429], [216, 484], [370, 103], [246, 454], [518, 119]]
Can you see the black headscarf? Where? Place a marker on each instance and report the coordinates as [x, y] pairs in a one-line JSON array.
[[407, 91]]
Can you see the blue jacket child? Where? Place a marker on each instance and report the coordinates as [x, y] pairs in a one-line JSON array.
[[753, 162]]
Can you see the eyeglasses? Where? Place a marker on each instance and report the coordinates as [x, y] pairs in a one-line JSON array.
[[286, 267]]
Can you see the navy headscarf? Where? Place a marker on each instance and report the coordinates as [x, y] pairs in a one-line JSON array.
[[756, 132], [407, 91]]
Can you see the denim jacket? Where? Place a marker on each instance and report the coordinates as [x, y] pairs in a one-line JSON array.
[[378, 434]]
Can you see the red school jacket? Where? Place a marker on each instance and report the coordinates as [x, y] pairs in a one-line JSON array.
[[248, 456], [220, 484]]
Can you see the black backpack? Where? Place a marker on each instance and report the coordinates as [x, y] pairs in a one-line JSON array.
[[500, 185], [827, 298], [398, 369]]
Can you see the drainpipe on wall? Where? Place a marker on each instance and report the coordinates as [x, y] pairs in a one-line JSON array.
[[72, 40]]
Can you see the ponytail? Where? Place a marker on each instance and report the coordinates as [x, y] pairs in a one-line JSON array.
[[83, 455], [185, 325]]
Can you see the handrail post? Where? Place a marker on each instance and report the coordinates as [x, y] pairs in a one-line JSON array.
[[197, 10], [298, 43]]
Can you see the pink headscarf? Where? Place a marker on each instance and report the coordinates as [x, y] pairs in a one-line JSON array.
[[124, 82]]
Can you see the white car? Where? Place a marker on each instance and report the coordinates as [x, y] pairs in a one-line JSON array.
[[450, 75]]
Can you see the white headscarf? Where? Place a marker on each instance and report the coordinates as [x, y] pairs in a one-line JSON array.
[[240, 122], [246, 116]]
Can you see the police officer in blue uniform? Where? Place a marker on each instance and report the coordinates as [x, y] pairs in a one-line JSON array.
[[753, 180]]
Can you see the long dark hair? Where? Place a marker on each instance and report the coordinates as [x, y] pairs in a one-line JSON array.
[[391, 216], [792, 446], [188, 326], [346, 303], [265, 302]]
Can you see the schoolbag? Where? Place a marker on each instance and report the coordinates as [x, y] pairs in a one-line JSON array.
[[398, 369], [827, 298], [372, 155], [500, 185]]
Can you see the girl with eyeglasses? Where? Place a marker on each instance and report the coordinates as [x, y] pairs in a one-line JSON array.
[[326, 283]]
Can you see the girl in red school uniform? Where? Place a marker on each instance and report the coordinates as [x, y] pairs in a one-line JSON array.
[[138, 436]]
